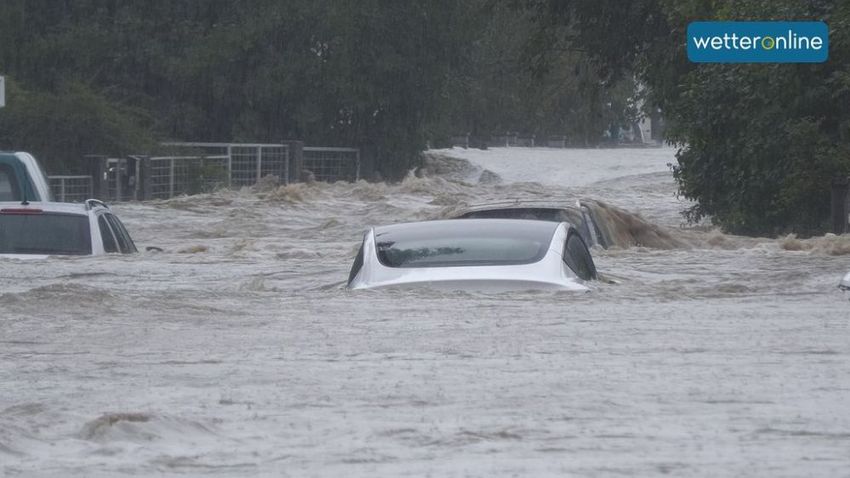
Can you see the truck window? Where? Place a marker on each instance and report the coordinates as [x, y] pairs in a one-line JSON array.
[[125, 243], [109, 244], [45, 233], [8, 184]]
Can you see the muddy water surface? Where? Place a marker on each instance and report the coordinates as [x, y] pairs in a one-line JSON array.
[[238, 351]]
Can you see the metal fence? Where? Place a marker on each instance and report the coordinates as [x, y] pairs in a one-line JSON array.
[[171, 176], [121, 178], [249, 163], [206, 167], [71, 188], [332, 164], [244, 163]]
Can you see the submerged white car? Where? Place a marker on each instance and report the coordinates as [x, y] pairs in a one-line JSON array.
[[478, 254], [39, 229]]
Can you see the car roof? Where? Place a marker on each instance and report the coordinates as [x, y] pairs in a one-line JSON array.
[[454, 227], [524, 204], [19, 156], [61, 207]]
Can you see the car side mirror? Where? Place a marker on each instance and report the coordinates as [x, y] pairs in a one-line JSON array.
[[154, 249]]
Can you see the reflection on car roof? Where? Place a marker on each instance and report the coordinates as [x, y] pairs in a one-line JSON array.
[[468, 226]]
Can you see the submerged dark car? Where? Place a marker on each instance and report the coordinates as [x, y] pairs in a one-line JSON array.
[[580, 215], [599, 224]]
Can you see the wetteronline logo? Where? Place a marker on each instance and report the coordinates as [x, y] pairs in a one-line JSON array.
[[758, 42]]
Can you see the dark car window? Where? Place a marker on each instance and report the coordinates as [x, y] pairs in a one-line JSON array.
[[578, 258], [125, 243], [8, 184], [358, 264], [488, 243], [109, 244], [126, 234], [45, 233], [120, 229]]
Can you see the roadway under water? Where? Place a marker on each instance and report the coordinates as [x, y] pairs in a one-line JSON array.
[[238, 351]]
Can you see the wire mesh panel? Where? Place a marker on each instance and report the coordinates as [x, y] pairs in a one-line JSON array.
[[274, 161], [71, 188], [175, 175], [244, 161], [161, 177], [333, 164], [250, 163]]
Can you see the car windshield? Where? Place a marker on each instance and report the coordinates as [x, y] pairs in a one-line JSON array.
[[486, 243], [45, 233]]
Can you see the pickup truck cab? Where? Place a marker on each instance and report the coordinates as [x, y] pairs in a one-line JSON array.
[[22, 178], [34, 230]]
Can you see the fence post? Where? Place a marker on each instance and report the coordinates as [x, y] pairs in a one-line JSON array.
[[97, 170], [133, 179], [357, 171], [838, 204], [145, 174], [286, 165], [229, 166], [171, 178], [259, 163], [295, 160], [119, 176]]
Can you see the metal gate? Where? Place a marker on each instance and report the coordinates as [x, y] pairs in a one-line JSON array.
[[245, 163]]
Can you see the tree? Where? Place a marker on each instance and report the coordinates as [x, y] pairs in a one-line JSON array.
[[758, 144], [367, 73]]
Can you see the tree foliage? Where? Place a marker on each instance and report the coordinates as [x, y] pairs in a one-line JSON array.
[[758, 143], [117, 76], [503, 84]]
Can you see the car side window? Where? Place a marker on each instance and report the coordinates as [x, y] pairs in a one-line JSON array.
[[358, 264], [109, 244], [578, 258], [122, 234], [123, 246]]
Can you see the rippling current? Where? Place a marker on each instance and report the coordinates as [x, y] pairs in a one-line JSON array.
[[238, 351]]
